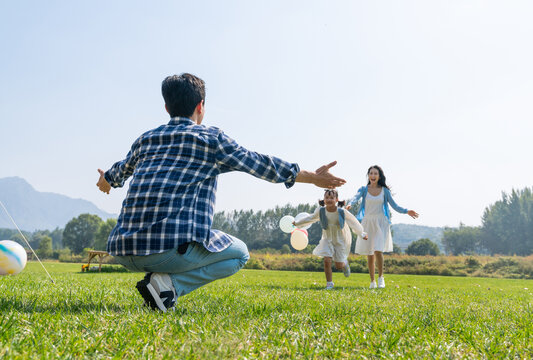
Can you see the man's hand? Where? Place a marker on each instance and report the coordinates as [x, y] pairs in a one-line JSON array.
[[321, 177], [325, 179], [325, 168], [412, 214], [102, 183]]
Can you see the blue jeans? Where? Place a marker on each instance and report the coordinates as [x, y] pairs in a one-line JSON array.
[[195, 268]]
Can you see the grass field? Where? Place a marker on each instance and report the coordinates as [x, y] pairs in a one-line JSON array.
[[265, 314]]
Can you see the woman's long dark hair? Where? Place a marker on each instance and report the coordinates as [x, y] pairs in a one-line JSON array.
[[382, 179]]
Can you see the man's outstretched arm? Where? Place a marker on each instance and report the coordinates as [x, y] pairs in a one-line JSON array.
[[233, 157]]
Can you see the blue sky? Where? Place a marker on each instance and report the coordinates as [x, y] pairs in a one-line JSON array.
[[439, 93]]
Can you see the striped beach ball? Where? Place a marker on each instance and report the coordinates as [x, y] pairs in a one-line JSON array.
[[12, 257]]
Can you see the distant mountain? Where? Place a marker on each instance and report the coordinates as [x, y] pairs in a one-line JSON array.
[[404, 234], [34, 210]]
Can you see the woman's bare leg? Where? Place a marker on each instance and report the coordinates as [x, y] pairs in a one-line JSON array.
[[379, 261], [371, 268]]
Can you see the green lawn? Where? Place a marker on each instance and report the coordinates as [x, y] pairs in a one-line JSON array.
[[265, 314]]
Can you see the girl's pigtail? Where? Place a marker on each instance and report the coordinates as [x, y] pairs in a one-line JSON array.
[[321, 202], [341, 203]]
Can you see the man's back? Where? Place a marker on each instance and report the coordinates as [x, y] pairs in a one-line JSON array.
[[171, 196]]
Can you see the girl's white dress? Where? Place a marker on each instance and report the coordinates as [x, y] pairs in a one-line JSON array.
[[335, 242], [376, 226]]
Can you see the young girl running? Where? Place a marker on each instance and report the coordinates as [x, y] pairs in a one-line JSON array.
[[336, 237], [374, 215]]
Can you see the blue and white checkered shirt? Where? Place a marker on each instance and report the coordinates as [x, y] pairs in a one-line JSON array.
[[171, 196]]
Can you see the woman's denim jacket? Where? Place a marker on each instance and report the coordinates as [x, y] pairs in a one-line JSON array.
[[387, 199]]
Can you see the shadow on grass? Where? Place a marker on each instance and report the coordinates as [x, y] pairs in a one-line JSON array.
[[306, 288], [73, 307], [106, 269]]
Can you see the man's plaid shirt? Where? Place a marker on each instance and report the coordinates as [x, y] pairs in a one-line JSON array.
[[171, 196]]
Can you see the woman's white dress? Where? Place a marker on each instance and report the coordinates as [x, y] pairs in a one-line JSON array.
[[335, 242], [377, 227]]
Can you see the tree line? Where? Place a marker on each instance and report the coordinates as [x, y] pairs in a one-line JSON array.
[[86, 231], [260, 230], [506, 228]]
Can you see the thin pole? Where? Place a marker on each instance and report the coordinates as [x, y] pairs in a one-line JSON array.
[[27, 243]]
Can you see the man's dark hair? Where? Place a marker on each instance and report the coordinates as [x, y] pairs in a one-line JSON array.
[[182, 93]]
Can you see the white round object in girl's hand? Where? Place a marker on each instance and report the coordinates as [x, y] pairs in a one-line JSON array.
[[285, 224], [299, 217]]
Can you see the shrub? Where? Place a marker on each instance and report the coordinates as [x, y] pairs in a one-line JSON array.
[[254, 263], [423, 247], [526, 268], [106, 269], [472, 262], [446, 272], [516, 267], [358, 268], [499, 264], [396, 249], [64, 255], [285, 249]]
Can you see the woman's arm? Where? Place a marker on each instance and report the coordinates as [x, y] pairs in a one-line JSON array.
[[356, 198], [400, 209]]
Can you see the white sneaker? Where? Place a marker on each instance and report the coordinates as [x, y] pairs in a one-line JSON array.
[[381, 282], [373, 285], [346, 268], [157, 291], [329, 285]]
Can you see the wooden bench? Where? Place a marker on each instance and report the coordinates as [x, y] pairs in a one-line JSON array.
[[92, 255]]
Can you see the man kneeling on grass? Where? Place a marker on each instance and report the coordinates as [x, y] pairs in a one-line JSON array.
[[164, 227]]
